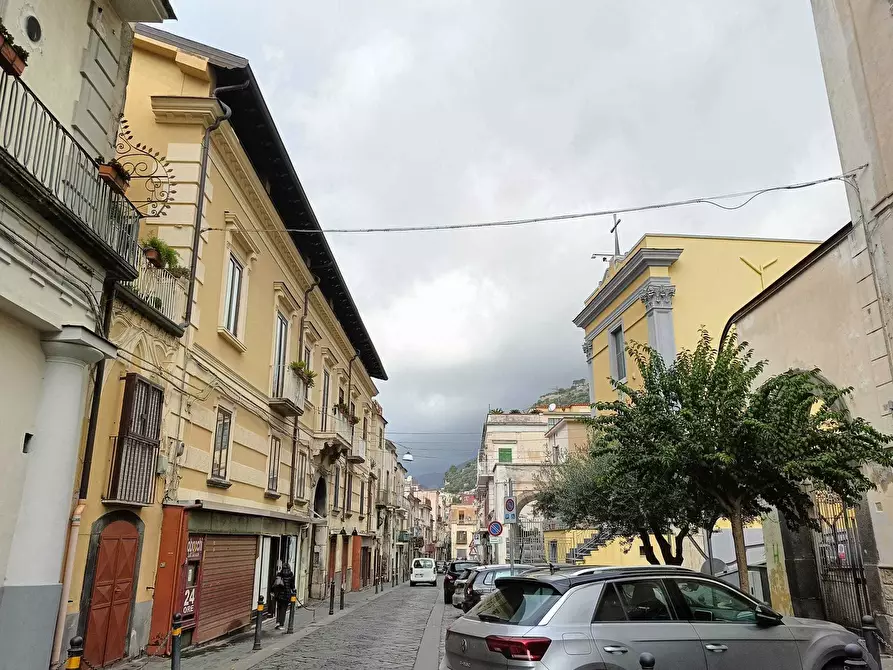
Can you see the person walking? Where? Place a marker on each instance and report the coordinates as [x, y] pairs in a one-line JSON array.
[[283, 588]]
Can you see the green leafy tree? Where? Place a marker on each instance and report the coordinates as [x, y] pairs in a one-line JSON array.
[[709, 427]]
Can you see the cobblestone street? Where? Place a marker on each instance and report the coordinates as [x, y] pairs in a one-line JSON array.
[[385, 633]]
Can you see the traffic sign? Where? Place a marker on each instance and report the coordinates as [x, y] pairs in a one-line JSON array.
[[495, 528], [510, 515]]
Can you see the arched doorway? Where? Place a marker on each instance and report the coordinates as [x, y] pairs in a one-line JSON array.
[[114, 574], [317, 576], [319, 497]]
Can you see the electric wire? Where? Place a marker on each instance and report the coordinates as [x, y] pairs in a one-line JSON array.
[[708, 200]]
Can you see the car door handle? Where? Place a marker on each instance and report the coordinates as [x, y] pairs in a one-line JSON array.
[[611, 649], [718, 648]]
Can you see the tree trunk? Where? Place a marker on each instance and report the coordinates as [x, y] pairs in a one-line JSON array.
[[740, 548], [650, 556], [667, 549]]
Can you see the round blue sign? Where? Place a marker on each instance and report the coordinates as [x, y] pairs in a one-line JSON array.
[[495, 528]]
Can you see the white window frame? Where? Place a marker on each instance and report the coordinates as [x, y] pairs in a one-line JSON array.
[[232, 305], [281, 337], [238, 245], [274, 464], [229, 409]]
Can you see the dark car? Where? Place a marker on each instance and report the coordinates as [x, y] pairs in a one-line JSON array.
[[452, 574], [481, 580], [441, 567]]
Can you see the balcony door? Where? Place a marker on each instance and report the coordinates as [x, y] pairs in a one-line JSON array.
[[280, 353]]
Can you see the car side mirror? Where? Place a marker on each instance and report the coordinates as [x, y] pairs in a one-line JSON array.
[[766, 616]]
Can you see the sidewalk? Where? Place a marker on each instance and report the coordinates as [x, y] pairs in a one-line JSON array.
[[235, 653]]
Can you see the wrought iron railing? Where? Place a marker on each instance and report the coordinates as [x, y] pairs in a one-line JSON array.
[[162, 290], [288, 386], [132, 473], [39, 142]]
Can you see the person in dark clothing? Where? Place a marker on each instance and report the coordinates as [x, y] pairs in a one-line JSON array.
[[283, 589]]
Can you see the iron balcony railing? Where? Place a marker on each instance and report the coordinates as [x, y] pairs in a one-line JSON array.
[[132, 473], [159, 288], [39, 142], [288, 390]]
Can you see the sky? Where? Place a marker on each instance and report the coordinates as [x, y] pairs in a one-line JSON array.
[[410, 112]]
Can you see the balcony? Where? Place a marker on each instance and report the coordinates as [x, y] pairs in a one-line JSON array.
[[162, 291], [132, 473], [287, 397], [357, 453], [48, 167], [342, 427], [483, 468]]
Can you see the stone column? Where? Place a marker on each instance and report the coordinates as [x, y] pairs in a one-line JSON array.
[[29, 600], [587, 351], [658, 300]]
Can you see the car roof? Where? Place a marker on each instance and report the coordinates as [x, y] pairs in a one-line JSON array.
[[562, 581], [503, 566]]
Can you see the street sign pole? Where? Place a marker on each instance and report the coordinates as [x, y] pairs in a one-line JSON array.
[[511, 538]]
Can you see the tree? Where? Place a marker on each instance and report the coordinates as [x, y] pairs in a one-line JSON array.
[[748, 449], [595, 491]]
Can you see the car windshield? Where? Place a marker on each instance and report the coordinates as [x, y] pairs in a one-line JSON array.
[[516, 603], [423, 563]]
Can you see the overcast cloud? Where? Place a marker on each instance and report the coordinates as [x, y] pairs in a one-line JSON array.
[[412, 113]]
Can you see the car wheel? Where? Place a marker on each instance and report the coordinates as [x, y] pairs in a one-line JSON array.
[[836, 664], [412, 583], [447, 600]]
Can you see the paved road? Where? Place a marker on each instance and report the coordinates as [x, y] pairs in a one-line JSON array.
[[385, 633]]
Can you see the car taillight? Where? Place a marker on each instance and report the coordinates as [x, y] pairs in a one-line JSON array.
[[450, 578], [519, 648]]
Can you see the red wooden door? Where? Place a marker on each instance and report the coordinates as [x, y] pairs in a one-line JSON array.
[[107, 625]]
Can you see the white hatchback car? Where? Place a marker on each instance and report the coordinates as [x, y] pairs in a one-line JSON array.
[[423, 572]]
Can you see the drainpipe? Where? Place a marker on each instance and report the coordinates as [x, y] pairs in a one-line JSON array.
[[294, 436], [89, 442], [203, 177], [350, 387]]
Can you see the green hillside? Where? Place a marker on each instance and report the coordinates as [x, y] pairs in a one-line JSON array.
[[461, 477], [576, 393]]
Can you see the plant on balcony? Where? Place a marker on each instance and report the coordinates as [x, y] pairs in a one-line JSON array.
[[160, 254], [156, 302], [179, 271], [496, 410], [304, 373], [342, 409], [114, 174], [13, 58]]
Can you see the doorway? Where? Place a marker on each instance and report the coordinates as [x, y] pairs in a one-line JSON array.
[[111, 601]]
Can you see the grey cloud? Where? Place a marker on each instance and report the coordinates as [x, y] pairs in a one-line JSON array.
[[407, 113]]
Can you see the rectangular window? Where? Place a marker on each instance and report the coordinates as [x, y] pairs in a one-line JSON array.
[[553, 551], [640, 600], [461, 517], [301, 483], [233, 295], [369, 499], [365, 427], [139, 437], [273, 475], [348, 494], [220, 456], [324, 410], [618, 353], [362, 496], [308, 358], [461, 537], [336, 489], [505, 454], [280, 353]]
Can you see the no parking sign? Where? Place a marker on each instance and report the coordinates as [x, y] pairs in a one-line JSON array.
[[509, 513]]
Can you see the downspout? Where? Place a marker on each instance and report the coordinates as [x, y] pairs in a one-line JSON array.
[[202, 180], [349, 389], [294, 436], [89, 442]]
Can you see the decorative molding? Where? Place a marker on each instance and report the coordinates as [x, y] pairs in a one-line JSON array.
[[185, 110], [634, 266], [287, 299], [612, 318], [236, 232], [587, 349], [657, 296]]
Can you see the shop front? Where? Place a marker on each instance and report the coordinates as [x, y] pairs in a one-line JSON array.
[[214, 562]]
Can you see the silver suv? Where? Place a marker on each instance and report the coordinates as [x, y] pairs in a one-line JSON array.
[[607, 618]]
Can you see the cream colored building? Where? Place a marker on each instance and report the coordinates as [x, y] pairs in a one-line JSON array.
[[253, 467], [463, 526], [66, 237]]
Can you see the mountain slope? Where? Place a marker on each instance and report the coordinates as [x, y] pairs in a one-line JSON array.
[[461, 478], [576, 393]]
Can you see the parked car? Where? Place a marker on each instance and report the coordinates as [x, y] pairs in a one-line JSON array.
[[687, 620], [441, 567], [422, 572], [459, 589], [454, 569], [480, 582]]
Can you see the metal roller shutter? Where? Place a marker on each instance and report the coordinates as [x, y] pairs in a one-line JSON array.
[[227, 584]]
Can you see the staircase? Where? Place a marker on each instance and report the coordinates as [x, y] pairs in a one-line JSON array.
[[589, 544]]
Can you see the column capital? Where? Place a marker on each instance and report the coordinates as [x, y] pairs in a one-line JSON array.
[[587, 349], [658, 296], [77, 343]]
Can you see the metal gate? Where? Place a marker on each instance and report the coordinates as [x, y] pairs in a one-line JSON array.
[[839, 557], [529, 541]]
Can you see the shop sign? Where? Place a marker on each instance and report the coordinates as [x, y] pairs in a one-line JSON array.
[[195, 546]]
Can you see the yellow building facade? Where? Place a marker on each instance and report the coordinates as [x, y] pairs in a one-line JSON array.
[[216, 461], [661, 293]]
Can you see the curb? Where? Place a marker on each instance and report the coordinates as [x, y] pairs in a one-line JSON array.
[[287, 640]]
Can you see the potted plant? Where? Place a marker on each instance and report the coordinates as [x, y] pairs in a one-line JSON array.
[[304, 373], [114, 174], [160, 254], [13, 58], [178, 271], [354, 419], [156, 302]]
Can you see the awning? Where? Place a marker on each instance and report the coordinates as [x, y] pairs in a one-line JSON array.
[[241, 510]]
